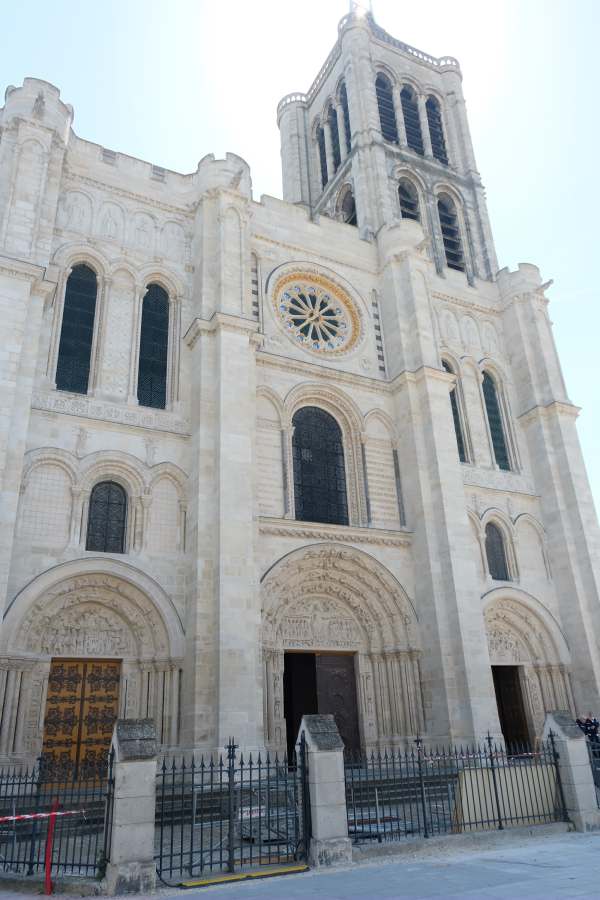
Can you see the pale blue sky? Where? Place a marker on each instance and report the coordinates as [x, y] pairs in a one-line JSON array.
[[172, 81]]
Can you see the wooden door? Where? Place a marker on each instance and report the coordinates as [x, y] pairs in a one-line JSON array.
[[336, 694], [81, 708], [511, 709]]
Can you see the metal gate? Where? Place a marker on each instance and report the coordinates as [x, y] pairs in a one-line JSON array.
[[232, 813]]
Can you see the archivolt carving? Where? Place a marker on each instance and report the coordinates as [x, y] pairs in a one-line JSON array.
[[93, 615], [77, 605], [338, 596], [520, 627]]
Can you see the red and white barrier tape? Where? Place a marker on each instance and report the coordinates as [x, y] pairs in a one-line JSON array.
[[24, 816]]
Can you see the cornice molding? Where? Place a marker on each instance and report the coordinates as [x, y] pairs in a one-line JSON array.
[[348, 534], [555, 406], [221, 322], [466, 304]]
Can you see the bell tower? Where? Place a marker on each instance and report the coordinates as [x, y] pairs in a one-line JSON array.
[[381, 136]]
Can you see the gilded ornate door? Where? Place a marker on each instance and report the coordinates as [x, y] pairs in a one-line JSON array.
[[81, 709]]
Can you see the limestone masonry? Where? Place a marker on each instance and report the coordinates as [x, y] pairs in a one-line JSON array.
[[266, 458]]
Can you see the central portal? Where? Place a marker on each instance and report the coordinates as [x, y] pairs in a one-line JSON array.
[[320, 683]]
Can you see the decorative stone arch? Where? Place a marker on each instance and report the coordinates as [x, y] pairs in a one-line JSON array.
[[350, 420], [329, 596], [273, 397], [94, 608], [50, 456], [522, 632], [495, 516], [536, 525], [166, 471]]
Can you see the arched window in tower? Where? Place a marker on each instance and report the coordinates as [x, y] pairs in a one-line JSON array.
[[154, 348], [335, 138], [107, 518], [412, 123], [409, 200], [460, 440], [494, 417], [387, 114], [77, 331], [436, 131], [496, 553], [348, 208], [346, 114], [322, 154], [319, 470], [450, 233]]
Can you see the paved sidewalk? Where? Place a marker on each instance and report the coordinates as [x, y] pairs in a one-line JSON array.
[[546, 868]]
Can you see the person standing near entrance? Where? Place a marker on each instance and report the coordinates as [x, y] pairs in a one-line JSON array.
[[590, 727]]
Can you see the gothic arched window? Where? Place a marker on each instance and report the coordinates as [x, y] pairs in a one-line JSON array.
[[335, 138], [450, 233], [107, 518], [348, 208], [322, 154], [319, 471], [460, 440], [346, 113], [494, 417], [387, 114], [154, 348], [436, 131], [412, 122], [409, 200], [496, 553], [77, 331]]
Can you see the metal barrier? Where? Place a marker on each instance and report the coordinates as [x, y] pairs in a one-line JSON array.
[[594, 754], [429, 791], [227, 814], [77, 807]]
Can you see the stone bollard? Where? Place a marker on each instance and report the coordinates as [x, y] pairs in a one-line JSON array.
[[130, 867], [329, 843], [575, 770]]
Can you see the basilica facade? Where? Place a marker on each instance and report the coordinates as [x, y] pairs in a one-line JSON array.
[[260, 458]]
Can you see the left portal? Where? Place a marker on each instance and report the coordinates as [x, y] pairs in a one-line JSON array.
[[82, 705]]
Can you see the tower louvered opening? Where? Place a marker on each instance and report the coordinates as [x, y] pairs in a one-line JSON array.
[[451, 234], [436, 131], [387, 114], [348, 208], [346, 114], [409, 200], [335, 138], [322, 155], [412, 123]]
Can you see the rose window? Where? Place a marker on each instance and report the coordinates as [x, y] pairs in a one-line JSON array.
[[316, 315]]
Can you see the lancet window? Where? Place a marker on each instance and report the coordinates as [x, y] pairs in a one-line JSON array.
[[387, 114], [412, 123], [495, 552], [154, 348], [451, 233], [494, 417], [107, 518], [77, 331]]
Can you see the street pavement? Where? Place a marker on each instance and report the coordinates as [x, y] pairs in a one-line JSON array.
[[563, 866]]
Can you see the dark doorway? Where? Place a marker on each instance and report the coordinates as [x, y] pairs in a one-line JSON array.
[[320, 683], [511, 709]]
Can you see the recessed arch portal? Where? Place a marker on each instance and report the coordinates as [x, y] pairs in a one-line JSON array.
[[329, 598]]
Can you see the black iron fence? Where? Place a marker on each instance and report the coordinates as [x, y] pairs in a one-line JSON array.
[[425, 791], [594, 754], [225, 814], [49, 817]]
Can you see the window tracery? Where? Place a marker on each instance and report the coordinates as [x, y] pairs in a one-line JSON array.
[[107, 518], [319, 469]]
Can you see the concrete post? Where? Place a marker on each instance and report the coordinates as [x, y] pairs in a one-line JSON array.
[[329, 843], [131, 865], [575, 770]]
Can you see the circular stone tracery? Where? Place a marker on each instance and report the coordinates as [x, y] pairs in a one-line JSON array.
[[316, 314]]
